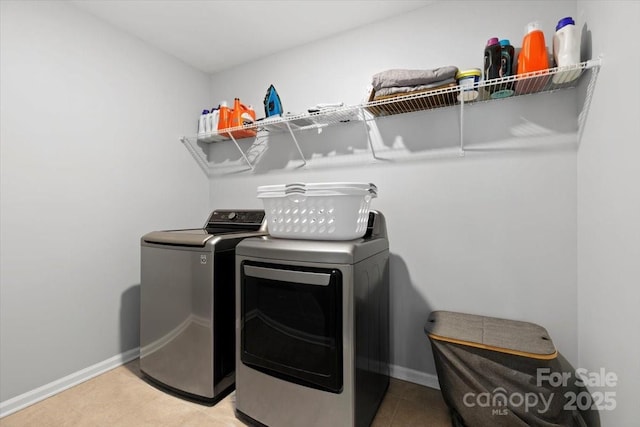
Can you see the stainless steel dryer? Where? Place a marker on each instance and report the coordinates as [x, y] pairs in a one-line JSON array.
[[187, 304], [312, 336]]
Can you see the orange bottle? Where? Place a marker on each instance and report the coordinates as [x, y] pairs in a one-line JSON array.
[[223, 117], [239, 116], [533, 58]]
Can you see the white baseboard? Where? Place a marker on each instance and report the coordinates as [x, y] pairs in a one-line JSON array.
[[29, 398], [417, 377]]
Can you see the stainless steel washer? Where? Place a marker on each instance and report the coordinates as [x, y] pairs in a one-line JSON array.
[[187, 304], [312, 337]]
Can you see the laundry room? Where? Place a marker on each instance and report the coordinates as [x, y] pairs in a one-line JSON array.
[[499, 201]]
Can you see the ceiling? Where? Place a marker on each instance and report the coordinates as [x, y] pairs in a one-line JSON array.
[[212, 35]]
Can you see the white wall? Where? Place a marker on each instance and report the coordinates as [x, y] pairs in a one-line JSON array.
[[90, 162], [491, 233], [609, 208]]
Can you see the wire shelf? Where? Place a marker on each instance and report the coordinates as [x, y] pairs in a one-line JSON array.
[[487, 90], [288, 123], [451, 95]]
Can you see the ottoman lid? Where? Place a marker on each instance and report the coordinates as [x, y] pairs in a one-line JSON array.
[[490, 333]]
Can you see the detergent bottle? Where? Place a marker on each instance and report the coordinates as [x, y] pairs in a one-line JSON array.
[[532, 58], [248, 116], [505, 89], [223, 117], [241, 115], [566, 50], [507, 53], [492, 59]]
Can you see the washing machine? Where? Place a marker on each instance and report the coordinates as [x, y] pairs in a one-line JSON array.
[[312, 336], [187, 304]]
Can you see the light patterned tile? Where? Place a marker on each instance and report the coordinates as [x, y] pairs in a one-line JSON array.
[[202, 419], [109, 397], [120, 398], [379, 421], [397, 387], [383, 418], [388, 406], [420, 394], [163, 411], [229, 420], [49, 412], [413, 414]]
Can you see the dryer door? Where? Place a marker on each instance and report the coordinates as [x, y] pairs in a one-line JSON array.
[[291, 323]]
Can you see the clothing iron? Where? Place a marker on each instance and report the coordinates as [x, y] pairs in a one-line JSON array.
[[272, 104]]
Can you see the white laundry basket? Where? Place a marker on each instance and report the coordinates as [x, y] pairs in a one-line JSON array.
[[317, 211]]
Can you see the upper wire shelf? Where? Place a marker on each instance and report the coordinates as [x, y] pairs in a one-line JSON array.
[[548, 80], [453, 95]]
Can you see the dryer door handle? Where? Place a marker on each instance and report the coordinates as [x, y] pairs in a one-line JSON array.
[[292, 276]]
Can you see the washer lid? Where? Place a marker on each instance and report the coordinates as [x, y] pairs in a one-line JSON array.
[[196, 237]]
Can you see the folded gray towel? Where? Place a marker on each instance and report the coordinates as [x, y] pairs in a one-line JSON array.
[[406, 89], [399, 77]]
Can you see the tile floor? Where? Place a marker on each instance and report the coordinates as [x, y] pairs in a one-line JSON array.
[[120, 398]]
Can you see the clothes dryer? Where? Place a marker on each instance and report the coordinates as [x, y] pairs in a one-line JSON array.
[[312, 336]]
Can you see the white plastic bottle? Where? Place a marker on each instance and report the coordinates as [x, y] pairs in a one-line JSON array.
[[202, 124], [566, 50], [207, 123], [212, 122], [215, 115]]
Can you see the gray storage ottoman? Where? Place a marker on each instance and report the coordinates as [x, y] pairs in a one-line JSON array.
[[495, 372]]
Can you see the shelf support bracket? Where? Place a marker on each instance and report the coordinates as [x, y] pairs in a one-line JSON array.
[[594, 65], [461, 95], [197, 156], [295, 141], [240, 150], [366, 132]]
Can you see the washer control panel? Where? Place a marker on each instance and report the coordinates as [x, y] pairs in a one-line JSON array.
[[236, 217]]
